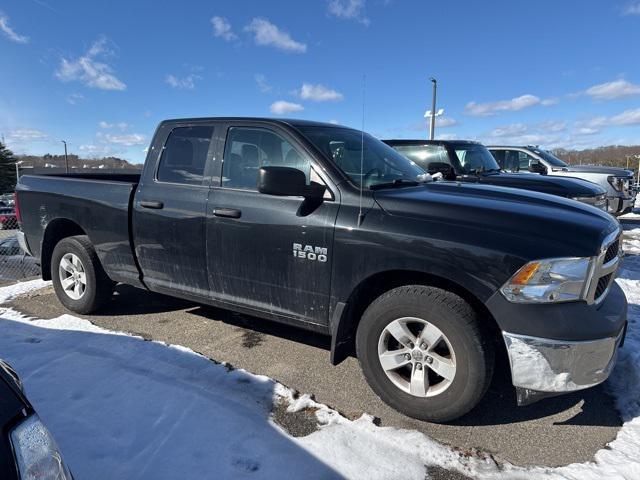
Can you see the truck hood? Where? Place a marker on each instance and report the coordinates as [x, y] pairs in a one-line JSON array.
[[550, 225], [618, 172], [554, 185]]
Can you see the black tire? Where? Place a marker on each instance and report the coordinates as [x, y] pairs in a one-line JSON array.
[[99, 287], [456, 319]]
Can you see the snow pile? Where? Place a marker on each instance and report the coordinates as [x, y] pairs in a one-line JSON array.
[[122, 407]]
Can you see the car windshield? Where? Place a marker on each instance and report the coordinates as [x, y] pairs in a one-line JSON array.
[[475, 158], [549, 157], [375, 165]]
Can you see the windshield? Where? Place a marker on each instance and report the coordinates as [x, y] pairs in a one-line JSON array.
[[381, 164], [549, 157], [475, 158]]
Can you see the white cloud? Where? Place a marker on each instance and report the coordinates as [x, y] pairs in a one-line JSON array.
[[9, 32], [319, 93], [334, 121], [127, 139], [184, 83], [443, 122], [75, 98], [27, 135], [553, 126], [88, 70], [632, 9], [547, 102], [512, 105], [349, 9], [121, 125], [509, 130], [266, 33], [628, 117], [263, 85], [283, 107], [222, 29], [612, 90]]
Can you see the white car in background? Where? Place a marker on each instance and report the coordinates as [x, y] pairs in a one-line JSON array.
[[618, 182]]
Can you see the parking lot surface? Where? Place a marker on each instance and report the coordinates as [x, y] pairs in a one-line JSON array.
[[554, 432]]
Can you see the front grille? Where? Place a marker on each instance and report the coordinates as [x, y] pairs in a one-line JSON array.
[[603, 283], [612, 251]]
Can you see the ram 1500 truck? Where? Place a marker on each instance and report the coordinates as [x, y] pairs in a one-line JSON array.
[[326, 228], [467, 161], [618, 182]]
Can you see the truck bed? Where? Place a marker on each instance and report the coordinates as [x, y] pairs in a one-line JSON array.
[[98, 205]]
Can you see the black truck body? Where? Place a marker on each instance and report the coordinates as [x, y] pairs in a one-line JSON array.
[[322, 257], [483, 169]]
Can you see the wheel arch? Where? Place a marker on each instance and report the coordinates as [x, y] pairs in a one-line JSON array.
[[346, 316], [56, 230]]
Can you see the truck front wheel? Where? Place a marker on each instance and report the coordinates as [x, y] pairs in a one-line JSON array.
[[423, 352], [79, 280]]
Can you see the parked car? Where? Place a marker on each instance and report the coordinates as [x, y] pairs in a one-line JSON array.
[[8, 219], [329, 229], [467, 161], [27, 448], [10, 246], [617, 182]]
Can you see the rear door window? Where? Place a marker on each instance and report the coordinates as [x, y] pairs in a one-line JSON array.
[[184, 156]]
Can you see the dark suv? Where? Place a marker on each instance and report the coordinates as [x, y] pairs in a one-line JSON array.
[[468, 161]]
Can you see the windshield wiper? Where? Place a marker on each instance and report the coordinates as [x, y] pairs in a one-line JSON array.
[[398, 182]]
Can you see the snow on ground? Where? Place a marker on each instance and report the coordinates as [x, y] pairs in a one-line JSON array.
[[122, 407]]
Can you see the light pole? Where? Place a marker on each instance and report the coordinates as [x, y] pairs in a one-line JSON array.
[[638, 178], [66, 161], [18, 170], [432, 126]]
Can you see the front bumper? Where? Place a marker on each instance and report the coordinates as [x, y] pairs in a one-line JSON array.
[[621, 204], [540, 366], [558, 348]]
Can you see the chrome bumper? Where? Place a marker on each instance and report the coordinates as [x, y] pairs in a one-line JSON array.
[[540, 366], [22, 241]]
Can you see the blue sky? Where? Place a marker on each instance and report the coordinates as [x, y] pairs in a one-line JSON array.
[[101, 75]]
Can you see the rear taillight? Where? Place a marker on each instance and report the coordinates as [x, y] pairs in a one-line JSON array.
[[16, 207]]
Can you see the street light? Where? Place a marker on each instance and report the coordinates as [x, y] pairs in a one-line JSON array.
[[18, 170], [432, 125], [431, 116], [66, 161], [638, 178]]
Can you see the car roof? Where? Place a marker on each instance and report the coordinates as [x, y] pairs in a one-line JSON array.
[[293, 122], [419, 141]]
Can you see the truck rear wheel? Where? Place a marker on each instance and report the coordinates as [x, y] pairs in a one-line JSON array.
[[79, 280], [423, 353]]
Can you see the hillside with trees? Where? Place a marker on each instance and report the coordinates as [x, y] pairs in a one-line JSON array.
[[612, 155], [75, 162]]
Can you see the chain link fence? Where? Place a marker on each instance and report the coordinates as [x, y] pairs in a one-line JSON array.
[[14, 264]]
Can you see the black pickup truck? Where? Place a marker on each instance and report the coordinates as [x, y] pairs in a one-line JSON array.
[[468, 161], [329, 229]]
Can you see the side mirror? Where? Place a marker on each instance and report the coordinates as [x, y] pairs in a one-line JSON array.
[[287, 181], [536, 167], [441, 167]]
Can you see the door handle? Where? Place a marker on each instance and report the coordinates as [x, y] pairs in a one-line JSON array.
[[151, 204], [227, 212]]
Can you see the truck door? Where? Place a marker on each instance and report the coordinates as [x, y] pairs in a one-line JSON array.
[[169, 211], [267, 252]]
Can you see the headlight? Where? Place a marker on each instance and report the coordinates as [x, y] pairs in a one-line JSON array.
[[548, 281], [36, 452]]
